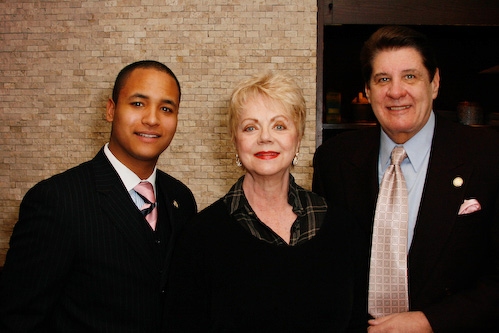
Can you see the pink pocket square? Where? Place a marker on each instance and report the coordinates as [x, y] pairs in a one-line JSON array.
[[469, 206]]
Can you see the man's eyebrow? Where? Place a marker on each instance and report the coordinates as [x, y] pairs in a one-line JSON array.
[[165, 101], [405, 71], [380, 74], [411, 70], [169, 101], [139, 95]]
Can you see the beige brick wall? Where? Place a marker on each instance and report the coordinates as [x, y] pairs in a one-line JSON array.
[[58, 60]]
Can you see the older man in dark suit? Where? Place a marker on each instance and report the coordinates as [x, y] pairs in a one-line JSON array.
[[90, 252], [452, 181]]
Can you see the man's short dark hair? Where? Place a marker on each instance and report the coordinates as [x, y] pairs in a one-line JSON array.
[[126, 71], [394, 38]]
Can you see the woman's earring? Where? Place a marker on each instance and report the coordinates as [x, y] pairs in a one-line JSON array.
[[238, 161], [295, 159]]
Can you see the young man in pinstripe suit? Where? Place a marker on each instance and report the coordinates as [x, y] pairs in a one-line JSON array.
[[82, 257]]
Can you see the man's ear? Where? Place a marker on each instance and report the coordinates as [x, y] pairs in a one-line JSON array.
[[436, 83], [110, 108], [367, 91]]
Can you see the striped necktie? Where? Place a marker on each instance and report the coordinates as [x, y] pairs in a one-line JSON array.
[[149, 209]]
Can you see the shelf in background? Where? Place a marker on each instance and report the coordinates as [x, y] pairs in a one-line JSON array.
[[464, 33], [348, 126]]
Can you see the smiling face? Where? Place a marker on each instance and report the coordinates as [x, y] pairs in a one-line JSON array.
[[144, 119], [266, 138], [401, 92]]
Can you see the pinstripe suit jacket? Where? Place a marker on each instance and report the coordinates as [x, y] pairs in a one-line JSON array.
[[454, 259], [83, 259]]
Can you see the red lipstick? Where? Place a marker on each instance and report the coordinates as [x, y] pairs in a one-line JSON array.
[[266, 155]]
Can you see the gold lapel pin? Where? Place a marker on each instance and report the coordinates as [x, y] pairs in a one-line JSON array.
[[458, 182], [175, 203]]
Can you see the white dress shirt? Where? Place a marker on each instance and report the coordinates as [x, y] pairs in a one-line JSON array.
[[128, 177]]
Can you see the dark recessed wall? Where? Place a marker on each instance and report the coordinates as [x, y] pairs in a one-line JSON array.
[[462, 53]]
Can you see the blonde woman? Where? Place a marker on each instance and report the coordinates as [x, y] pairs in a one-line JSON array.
[[269, 255]]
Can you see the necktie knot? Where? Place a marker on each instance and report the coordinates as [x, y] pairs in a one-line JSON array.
[[146, 192], [398, 155]]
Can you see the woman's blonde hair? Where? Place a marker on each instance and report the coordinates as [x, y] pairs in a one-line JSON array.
[[277, 87]]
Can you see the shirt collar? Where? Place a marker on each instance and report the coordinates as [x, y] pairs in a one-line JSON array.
[[236, 200], [416, 148], [128, 177]]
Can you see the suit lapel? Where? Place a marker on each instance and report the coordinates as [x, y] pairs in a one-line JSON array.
[[362, 169], [166, 202], [120, 209], [170, 204], [439, 204]]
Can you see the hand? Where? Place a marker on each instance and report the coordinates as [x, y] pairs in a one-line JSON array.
[[405, 322]]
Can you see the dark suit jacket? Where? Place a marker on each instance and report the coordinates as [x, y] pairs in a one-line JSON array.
[[83, 259], [454, 259]]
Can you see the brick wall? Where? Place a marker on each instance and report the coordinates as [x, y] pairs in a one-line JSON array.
[[58, 61]]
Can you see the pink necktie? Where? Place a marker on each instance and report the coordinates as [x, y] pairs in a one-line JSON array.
[[388, 273], [149, 210]]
